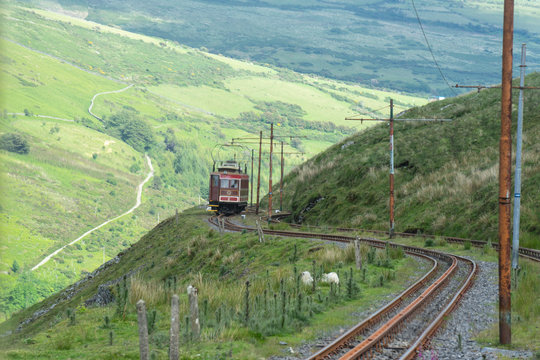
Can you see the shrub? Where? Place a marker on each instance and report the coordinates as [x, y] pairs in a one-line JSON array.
[[429, 243], [14, 143], [467, 245], [15, 267], [135, 168]]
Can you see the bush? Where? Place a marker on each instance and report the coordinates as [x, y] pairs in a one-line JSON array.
[[467, 245], [14, 143], [429, 243], [15, 267]]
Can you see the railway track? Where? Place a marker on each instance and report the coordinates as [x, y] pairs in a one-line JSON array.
[[405, 324], [531, 254]]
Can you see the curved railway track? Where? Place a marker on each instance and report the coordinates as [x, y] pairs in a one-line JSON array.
[[411, 318], [528, 253]]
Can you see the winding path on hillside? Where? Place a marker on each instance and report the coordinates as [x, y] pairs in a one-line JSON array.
[[137, 204], [103, 93]]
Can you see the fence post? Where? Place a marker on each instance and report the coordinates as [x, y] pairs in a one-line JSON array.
[[143, 330], [194, 311], [260, 231], [175, 328], [357, 255], [176, 217]]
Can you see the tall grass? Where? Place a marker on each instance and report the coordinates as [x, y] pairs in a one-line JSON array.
[[151, 291], [525, 298]]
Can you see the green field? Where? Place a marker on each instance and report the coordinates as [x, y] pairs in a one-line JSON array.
[[373, 42], [235, 258], [81, 171]]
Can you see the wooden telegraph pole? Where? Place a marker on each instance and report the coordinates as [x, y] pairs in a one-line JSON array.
[[250, 140], [251, 179], [392, 201], [281, 182], [391, 121], [270, 170], [505, 182], [259, 174]]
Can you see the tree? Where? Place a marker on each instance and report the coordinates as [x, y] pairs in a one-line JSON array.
[[131, 129], [15, 267], [14, 143]]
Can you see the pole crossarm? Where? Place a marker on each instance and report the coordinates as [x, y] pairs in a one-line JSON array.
[[286, 153], [249, 142], [275, 137], [496, 87], [367, 119]]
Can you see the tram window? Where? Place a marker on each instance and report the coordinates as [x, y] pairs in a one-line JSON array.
[[234, 184], [224, 183], [215, 180]]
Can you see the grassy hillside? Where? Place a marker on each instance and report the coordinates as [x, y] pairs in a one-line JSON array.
[[373, 42], [446, 179], [81, 171], [175, 254]]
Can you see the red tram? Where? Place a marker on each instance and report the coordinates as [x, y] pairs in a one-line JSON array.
[[229, 189]]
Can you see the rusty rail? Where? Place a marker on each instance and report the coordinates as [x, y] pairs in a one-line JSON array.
[[435, 324], [531, 254], [380, 337], [355, 331], [387, 331]]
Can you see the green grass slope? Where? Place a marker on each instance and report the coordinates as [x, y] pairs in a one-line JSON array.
[[80, 171], [446, 177], [177, 253], [373, 42]]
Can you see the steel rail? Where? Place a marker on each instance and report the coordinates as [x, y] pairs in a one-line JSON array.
[[531, 254], [391, 327], [381, 335], [428, 333], [359, 328]]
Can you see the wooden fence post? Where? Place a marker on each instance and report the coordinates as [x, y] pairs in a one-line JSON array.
[[357, 255], [175, 329], [143, 330], [260, 230], [194, 311]]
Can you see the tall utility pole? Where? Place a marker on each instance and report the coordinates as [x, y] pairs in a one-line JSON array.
[[392, 202], [505, 182], [251, 178], [250, 140], [281, 182], [259, 175], [517, 176], [391, 121], [270, 176]]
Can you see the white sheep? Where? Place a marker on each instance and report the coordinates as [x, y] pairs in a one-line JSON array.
[[330, 278], [306, 278]]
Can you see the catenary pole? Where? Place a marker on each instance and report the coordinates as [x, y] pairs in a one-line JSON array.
[[391, 120], [505, 158], [259, 175], [251, 178], [517, 174], [281, 182], [392, 201], [270, 173]]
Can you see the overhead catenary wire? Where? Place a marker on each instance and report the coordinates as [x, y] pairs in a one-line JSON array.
[[430, 50]]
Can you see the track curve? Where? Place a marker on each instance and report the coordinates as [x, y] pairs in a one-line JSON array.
[[383, 334]]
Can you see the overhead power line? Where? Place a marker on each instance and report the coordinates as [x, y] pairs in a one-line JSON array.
[[430, 50]]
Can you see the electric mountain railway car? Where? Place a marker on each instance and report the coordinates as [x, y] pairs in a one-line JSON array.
[[229, 189]]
